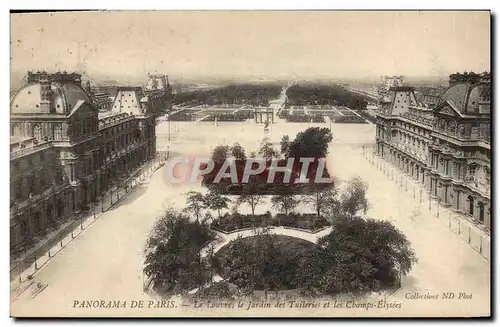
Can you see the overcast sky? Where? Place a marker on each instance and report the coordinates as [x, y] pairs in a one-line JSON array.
[[305, 44]]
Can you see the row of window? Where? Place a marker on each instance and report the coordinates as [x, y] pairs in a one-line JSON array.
[[29, 184], [115, 129], [118, 143]]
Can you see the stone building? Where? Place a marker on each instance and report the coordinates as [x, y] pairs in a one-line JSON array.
[[446, 148], [56, 130], [40, 193], [101, 100]]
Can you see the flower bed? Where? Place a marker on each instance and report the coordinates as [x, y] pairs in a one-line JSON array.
[[229, 117], [230, 223], [180, 116], [301, 117], [307, 221], [350, 120], [298, 118], [236, 221]]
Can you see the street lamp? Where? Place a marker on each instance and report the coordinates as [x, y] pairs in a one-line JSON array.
[[168, 128], [438, 202]]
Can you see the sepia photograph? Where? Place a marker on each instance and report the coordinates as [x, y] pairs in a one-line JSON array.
[[247, 163]]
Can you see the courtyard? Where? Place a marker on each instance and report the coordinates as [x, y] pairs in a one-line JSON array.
[[105, 262]]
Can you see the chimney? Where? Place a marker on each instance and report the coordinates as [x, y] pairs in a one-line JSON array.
[[45, 93]]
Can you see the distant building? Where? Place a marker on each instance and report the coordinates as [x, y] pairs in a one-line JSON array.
[[158, 93], [65, 154], [446, 148], [428, 96], [388, 82], [101, 99]]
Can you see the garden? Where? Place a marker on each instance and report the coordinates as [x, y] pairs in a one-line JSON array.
[[183, 115], [318, 94], [353, 119], [356, 255], [230, 116]]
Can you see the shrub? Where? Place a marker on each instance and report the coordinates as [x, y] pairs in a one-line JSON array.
[[173, 263], [364, 256]]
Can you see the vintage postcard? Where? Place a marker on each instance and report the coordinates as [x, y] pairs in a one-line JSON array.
[[250, 164]]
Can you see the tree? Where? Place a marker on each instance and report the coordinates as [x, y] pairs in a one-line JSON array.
[[353, 198], [251, 194], [195, 203], [173, 263], [468, 77], [285, 200], [273, 265], [266, 149], [216, 201], [285, 145], [322, 198], [312, 143], [365, 255], [238, 152], [220, 153], [219, 291]]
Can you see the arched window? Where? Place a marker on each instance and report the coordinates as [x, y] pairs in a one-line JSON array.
[[37, 222], [481, 211], [37, 131], [470, 199], [31, 183], [57, 132], [23, 230], [14, 130], [42, 182], [59, 208], [49, 214]]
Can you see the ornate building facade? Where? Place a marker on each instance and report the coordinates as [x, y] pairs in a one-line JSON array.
[[446, 148], [65, 154]]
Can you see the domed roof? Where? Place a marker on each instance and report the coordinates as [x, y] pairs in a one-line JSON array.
[[465, 97], [65, 95]]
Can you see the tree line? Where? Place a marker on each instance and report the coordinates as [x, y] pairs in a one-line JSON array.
[[469, 77], [302, 95], [236, 94]]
